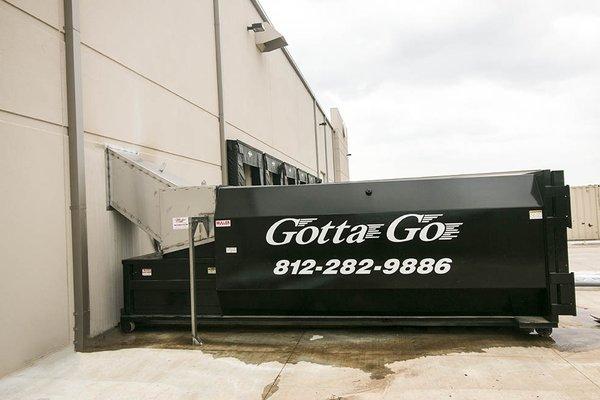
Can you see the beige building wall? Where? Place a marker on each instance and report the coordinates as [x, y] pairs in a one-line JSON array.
[[340, 147], [266, 104], [325, 146], [149, 85], [35, 272], [148, 89]]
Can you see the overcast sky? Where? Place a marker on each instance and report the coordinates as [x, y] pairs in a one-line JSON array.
[[445, 87]]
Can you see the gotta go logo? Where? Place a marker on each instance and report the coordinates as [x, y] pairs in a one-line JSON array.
[[303, 231]]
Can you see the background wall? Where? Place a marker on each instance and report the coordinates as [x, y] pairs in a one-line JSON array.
[[325, 143], [35, 272], [266, 103], [148, 89], [340, 147], [149, 85]]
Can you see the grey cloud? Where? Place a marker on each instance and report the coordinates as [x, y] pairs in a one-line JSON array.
[[442, 86]]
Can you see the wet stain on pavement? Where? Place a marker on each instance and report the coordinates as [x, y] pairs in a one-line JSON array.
[[367, 349]]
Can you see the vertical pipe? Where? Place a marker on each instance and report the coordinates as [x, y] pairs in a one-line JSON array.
[[326, 153], [81, 295], [219, 65], [316, 137], [324, 125]]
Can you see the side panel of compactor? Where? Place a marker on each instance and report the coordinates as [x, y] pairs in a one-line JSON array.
[[472, 247]]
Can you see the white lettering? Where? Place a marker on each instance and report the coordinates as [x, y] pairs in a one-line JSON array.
[[358, 234], [337, 238], [314, 233], [411, 232], [302, 232], [324, 231], [287, 235], [438, 233]]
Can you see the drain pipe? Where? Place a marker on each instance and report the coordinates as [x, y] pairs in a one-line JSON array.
[[222, 141], [324, 125], [81, 295], [316, 137]]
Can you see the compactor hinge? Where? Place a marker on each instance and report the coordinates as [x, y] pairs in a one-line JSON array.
[[557, 216], [564, 302], [561, 205]]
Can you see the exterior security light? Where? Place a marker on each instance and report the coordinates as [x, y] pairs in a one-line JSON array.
[[257, 27], [269, 39]]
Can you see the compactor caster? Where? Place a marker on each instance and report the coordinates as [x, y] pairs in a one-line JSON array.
[[544, 332], [127, 326]]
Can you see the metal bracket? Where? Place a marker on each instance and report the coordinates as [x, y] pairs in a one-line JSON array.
[[562, 278], [557, 191], [557, 213], [565, 286], [562, 205]]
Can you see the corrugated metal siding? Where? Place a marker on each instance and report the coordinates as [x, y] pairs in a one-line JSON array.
[[585, 213]]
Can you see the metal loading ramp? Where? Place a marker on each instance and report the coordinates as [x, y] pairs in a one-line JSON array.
[[158, 203]]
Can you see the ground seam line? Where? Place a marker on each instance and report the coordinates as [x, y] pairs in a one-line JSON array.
[[576, 369], [284, 364]]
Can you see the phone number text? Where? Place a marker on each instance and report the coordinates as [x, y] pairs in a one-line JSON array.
[[365, 266]]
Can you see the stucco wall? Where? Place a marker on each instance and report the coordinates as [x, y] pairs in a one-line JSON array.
[[35, 272], [340, 147], [265, 102], [149, 85], [325, 144]]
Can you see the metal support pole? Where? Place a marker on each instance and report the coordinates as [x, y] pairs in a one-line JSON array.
[[192, 225], [316, 137], [326, 153]]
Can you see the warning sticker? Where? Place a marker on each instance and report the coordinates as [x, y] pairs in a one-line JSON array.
[[536, 214], [180, 223], [223, 223], [146, 271]]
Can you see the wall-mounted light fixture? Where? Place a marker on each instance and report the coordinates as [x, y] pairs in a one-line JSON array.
[[266, 37], [257, 27]]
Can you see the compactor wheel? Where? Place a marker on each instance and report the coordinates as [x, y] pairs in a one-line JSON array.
[[127, 326], [544, 332]]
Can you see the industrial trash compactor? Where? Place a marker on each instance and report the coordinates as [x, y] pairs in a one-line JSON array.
[[482, 250]]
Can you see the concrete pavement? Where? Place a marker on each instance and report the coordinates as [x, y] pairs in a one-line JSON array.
[[584, 256], [409, 363]]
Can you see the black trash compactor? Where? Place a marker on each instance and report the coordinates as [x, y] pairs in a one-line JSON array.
[[441, 251]]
